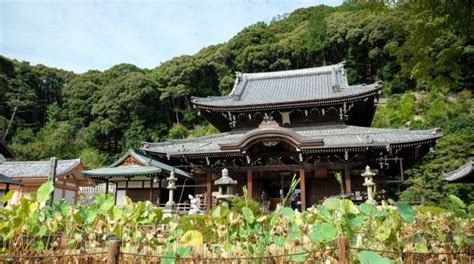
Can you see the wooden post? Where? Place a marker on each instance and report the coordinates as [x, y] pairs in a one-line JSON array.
[[209, 190], [107, 186], [303, 189], [113, 255], [52, 176], [342, 247], [151, 189], [249, 183], [115, 195], [347, 179]]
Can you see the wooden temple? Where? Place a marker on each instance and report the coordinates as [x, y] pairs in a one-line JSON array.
[[309, 122], [137, 176]]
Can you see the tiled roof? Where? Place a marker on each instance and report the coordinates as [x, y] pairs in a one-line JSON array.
[[464, 171], [334, 136], [7, 180], [150, 166], [19, 169], [282, 87]]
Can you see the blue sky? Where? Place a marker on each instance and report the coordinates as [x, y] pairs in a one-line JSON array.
[[82, 35]]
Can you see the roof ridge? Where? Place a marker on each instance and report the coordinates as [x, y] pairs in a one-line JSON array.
[[292, 73]]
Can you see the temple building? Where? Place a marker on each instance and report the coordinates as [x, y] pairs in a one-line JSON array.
[[137, 176], [308, 123], [28, 176]]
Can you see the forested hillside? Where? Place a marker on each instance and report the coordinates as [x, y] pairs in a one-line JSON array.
[[423, 52]]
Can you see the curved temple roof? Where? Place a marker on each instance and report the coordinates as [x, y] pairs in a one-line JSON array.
[[332, 136], [461, 174], [276, 89]]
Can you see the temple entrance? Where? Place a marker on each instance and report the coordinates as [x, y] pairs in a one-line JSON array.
[[272, 187]]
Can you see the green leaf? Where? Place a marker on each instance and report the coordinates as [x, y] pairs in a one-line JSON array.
[[323, 232], [406, 212], [117, 213], [39, 246], [44, 191], [104, 201], [300, 257], [358, 221], [184, 252], [287, 212], [368, 209], [382, 233], [168, 258], [279, 241], [192, 238], [369, 257], [7, 197], [422, 248], [456, 201], [248, 215]]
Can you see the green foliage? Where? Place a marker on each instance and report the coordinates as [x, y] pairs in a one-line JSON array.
[[238, 203], [27, 228], [178, 131]]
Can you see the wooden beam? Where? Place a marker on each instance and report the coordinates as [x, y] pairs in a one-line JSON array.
[[209, 190], [303, 189], [249, 183], [347, 179]]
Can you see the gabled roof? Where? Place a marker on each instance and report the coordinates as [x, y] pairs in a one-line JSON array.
[[148, 166], [462, 174], [332, 136], [321, 85], [7, 180], [25, 169]]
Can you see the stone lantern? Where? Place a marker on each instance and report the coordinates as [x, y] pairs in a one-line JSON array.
[[369, 183], [170, 206], [226, 188]]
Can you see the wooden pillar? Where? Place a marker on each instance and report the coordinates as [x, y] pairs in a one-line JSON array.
[[249, 183], [303, 189], [402, 177], [209, 190], [347, 179], [107, 186], [115, 194], [151, 189]]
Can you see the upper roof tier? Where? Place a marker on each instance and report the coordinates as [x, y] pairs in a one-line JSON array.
[[322, 85]]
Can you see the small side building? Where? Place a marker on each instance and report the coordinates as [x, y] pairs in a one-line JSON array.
[[32, 174], [139, 177]]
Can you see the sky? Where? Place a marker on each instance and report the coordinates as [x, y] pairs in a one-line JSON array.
[[82, 35]]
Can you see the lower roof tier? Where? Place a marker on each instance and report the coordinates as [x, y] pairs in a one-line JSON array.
[[305, 139]]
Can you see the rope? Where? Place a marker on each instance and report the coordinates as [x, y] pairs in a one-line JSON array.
[[412, 253], [230, 258], [55, 256]]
